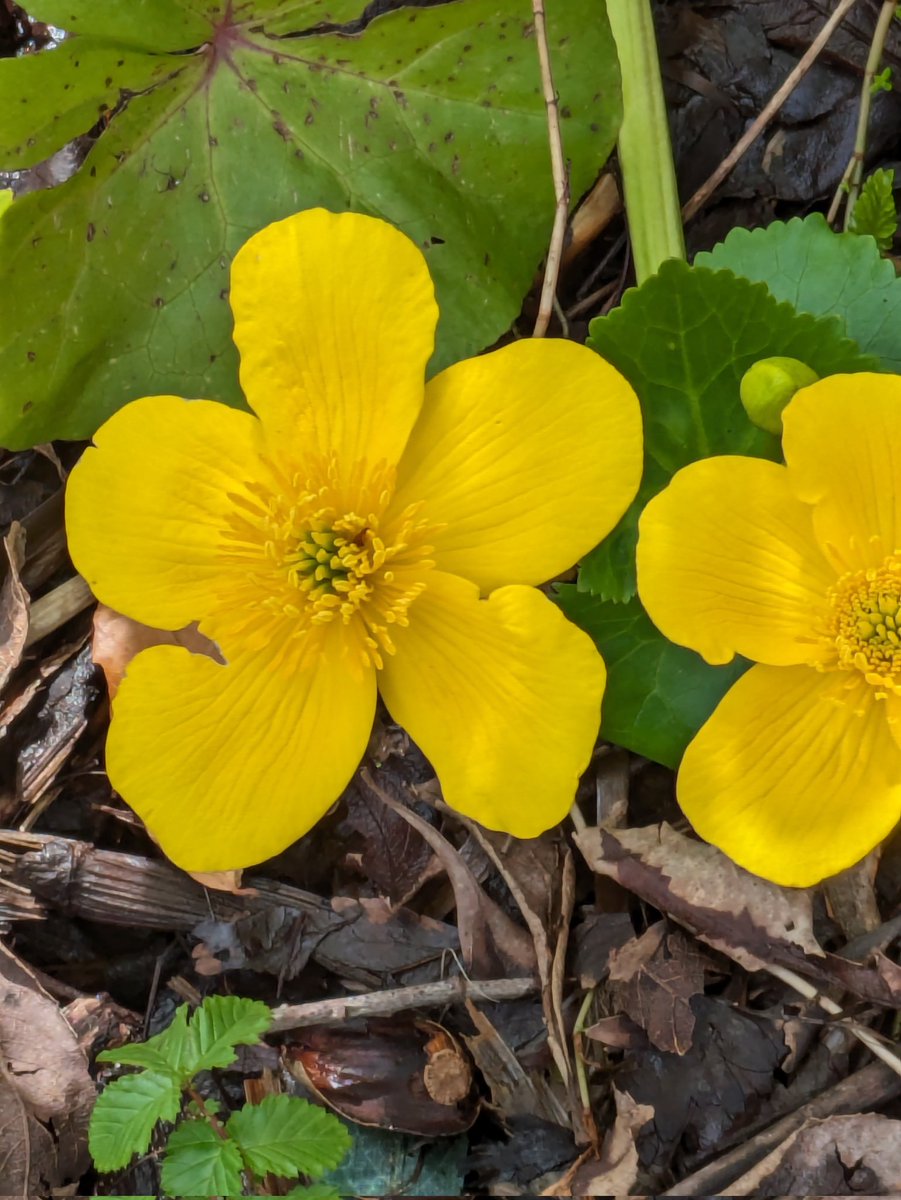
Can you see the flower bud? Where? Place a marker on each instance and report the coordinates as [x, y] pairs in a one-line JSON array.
[[767, 387]]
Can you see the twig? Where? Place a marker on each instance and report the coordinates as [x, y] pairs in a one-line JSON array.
[[867, 1088], [57, 607], [853, 173], [869, 1039], [561, 178], [706, 190], [379, 1004]]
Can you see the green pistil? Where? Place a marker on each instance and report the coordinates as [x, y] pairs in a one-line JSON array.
[[319, 560]]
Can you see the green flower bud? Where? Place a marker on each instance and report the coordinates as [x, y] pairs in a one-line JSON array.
[[768, 386]]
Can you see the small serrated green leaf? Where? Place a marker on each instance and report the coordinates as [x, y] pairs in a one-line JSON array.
[[124, 1116], [163, 1053], [824, 273], [314, 1191], [198, 1162], [287, 1136], [875, 212], [220, 1024]]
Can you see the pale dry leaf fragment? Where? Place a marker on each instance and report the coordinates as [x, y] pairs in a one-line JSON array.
[[46, 1091], [117, 639], [839, 1156], [14, 605], [615, 1171], [756, 923]]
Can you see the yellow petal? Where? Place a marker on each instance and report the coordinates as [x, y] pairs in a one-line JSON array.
[[502, 695], [228, 765], [842, 443], [528, 456], [146, 508], [795, 776], [728, 564], [335, 319]]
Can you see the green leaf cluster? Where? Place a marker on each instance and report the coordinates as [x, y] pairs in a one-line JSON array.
[[282, 1134], [684, 339], [213, 119], [875, 212]]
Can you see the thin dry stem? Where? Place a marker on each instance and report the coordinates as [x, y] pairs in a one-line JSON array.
[[394, 1000], [869, 1039], [706, 190], [853, 173], [561, 177]]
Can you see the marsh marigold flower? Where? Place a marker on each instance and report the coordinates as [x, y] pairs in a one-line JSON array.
[[797, 774], [361, 528]]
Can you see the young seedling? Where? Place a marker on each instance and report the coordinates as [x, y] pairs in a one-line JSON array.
[[206, 1154]]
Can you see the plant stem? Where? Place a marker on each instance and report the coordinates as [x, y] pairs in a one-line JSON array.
[[645, 152], [853, 175]]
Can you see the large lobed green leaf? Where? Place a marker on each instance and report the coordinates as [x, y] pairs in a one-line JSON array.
[[115, 283], [684, 339], [824, 273]]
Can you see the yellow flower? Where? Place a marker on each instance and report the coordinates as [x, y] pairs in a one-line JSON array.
[[362, 529], [797, 774]]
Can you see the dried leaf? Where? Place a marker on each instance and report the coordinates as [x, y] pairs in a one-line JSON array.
[[754, 922], [840, 1156], [654, 978], [395, 855], [46, 1092], [615, 1171], [491, 943], [117, 639], [14, 605]]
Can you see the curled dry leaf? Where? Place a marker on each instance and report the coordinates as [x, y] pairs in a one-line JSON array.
[[14, 605], [756, 923], [117, 639], [46, 1092]]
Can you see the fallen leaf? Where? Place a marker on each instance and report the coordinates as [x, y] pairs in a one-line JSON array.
[[653, 979], [491, 943], [754, 922], [615, 1171], [46, 1091], [14, 605], [839, 1156], [699, 1098], [395, 855], [117, 639]]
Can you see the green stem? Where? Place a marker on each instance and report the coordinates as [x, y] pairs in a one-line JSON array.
[[645, 153], [874, 58]]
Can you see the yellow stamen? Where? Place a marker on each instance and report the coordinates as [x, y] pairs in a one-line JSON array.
[[865, 626]]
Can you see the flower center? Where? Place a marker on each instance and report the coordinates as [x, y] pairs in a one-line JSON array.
[[866, 623], [313, 559]]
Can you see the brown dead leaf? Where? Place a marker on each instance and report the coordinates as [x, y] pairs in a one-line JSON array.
[[14, 605], [395, 856], [492, 944], [754, 922], [46, 1092], [703, 1096], [117, 639], [840, 1156], [615, 1171], [653, 979]]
